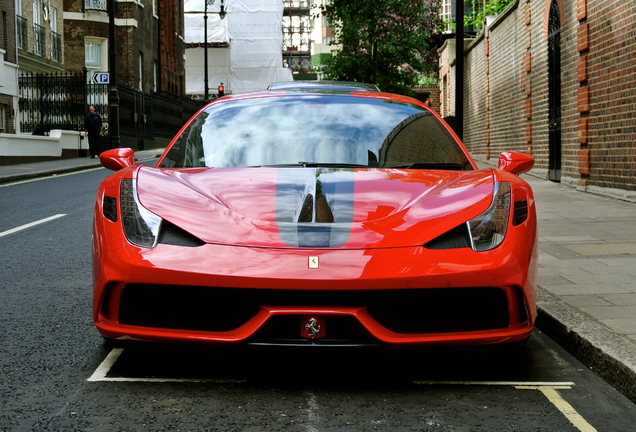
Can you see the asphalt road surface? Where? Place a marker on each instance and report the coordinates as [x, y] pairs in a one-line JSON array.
[[57, 375]]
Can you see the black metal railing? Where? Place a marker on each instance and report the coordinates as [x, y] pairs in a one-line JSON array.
[[57, 101], [22, 34], [61, 101], [39, 40], [97, 5], [56, 47]]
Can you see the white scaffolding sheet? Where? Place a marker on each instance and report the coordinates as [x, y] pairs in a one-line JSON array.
[[253, 30]]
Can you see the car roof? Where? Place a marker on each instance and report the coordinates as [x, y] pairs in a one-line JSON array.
[[324, 85]]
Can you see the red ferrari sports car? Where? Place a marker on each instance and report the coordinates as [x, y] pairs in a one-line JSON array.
[[315, 217]]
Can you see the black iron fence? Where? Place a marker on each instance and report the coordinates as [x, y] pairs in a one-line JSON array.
[[147, 119], [57, 101], [61, 101]]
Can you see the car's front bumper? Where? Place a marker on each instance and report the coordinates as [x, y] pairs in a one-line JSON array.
[[402, 296]]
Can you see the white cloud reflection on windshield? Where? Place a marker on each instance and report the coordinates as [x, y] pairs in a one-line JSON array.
[[307, 128]]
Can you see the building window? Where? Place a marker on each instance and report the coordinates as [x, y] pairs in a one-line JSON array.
[[95, 50], [21, 40], [5, 34], [37, 14], [3, 119], [56, 47], [155, 76], [39, 39], [56, 38], [141, 70]]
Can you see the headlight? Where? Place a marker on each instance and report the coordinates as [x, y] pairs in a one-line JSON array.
[[141, 226], [488, 230]]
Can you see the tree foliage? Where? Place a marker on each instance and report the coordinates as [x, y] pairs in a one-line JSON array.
[[389, 43], [491, 7]]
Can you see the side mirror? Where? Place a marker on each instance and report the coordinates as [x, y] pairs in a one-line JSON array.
[[516, 163], [118, 158]]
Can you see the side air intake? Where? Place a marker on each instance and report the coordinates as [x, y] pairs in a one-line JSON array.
[[456, 238], [173, 235], [520, 213]]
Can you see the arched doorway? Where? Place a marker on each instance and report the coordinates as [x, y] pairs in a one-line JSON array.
[[554, 92]]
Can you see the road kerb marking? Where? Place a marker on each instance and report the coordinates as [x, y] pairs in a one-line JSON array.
[[566, 409], [29, 225], [47, 177]]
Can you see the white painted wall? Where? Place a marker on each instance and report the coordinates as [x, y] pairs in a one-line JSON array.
[[36, 145]]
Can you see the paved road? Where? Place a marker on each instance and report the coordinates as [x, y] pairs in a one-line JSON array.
[[58, 376]]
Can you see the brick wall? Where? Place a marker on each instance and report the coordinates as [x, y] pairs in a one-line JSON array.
[[430, 94], [611, 62], [7, 31], [8, 45], [506, 90]]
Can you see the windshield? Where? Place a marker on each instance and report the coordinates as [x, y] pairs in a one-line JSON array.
[[319, 129]]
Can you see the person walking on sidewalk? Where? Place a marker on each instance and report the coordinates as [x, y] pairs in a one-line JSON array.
[[93, 129]]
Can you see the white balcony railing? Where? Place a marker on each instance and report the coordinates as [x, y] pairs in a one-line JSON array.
[[97, 5]]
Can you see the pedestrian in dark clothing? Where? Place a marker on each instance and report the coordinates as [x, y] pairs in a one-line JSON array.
[[93, 129]]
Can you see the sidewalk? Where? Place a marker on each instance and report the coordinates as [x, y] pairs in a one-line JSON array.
[[587, 269], [13, 173]]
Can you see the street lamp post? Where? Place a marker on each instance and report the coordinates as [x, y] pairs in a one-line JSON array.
[[113, 94], [205, 44], [459, 69]]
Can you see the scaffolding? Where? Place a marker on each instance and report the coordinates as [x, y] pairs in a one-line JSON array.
[[297, 28]]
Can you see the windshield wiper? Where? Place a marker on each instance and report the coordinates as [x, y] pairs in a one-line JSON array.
[[331, 165], [316, 165], [431, 165]]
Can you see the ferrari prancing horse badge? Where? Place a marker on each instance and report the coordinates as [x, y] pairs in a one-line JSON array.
[[313, 262], [313, 327]]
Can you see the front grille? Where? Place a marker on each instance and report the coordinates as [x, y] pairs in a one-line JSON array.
[[339, 330], [402, 311], [184, 307], [442, 310]]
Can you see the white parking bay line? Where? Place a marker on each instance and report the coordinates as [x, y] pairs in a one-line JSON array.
[[109, 361], [499, 383], [100, 374], [29, 225]]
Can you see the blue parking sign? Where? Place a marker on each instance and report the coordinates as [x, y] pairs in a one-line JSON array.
[[101, 78]]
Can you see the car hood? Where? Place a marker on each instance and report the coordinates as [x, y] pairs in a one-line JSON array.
[[315, 207]]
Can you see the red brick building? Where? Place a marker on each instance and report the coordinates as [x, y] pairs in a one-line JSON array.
[[150, 46], [555, 79], [8, 67]]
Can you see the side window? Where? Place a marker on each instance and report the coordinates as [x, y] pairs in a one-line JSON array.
[[420, 138], [187, 150]]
